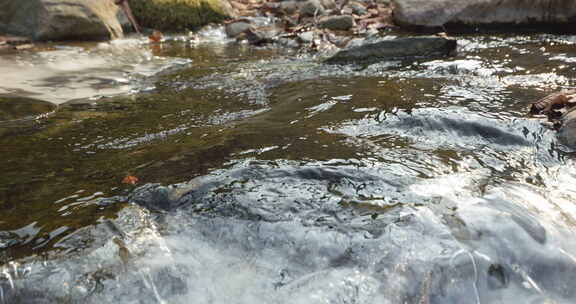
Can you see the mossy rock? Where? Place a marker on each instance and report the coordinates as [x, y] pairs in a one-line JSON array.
[[179, 15]]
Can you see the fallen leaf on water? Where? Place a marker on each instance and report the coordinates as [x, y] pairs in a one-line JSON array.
[[156, 36], [132, 180]]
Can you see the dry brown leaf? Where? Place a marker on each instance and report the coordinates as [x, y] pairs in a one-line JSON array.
[[130, 179]]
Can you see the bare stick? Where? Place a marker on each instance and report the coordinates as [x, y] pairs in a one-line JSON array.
[[126, 9]]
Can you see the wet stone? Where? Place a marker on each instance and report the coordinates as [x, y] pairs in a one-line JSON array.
[[358, 8], [306, 36], [60, 20], [235, 28], [286, 42], [337, 23], [328, 4], [401, 48], [567, 131], [312, 8], [256, 37], [288, 7]]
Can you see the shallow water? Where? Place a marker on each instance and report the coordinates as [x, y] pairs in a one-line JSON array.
[[59, 73], [266, 176]]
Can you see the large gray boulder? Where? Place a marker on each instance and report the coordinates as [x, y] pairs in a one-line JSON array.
[[391, 49], [60, 19], [434, 13]]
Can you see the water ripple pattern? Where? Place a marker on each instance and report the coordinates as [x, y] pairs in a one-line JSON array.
[[401, 182]]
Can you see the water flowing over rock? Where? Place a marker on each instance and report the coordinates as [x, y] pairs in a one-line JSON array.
[[436, 13], [396, 49], [268, 177], [60, 19]]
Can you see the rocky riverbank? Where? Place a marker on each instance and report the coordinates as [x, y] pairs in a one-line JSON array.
[[505, 15], [90, 20]]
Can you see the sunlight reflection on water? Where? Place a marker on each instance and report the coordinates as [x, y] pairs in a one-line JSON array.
[[68, 72]]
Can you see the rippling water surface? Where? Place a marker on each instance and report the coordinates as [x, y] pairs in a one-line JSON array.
[[266, 176]]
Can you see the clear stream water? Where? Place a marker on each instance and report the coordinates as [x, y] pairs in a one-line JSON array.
[[266, 176]]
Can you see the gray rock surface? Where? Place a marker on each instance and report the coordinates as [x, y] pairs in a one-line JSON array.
[[567, 132], [60, 19], [433, 13], [328, 4], [306, 37], [395, 49], [312, 8], [337, 23], [233, 29], [289, 7], [358, 8]]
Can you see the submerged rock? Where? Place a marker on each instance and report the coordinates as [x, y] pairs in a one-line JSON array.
[[18, 114], [567, 131], [426, 13], [396, 49], [60, 19], [19, 108]]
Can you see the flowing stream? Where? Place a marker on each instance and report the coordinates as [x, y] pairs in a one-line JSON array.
[[266, 176]]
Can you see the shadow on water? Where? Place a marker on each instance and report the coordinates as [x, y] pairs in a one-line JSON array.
[[269, 179]]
